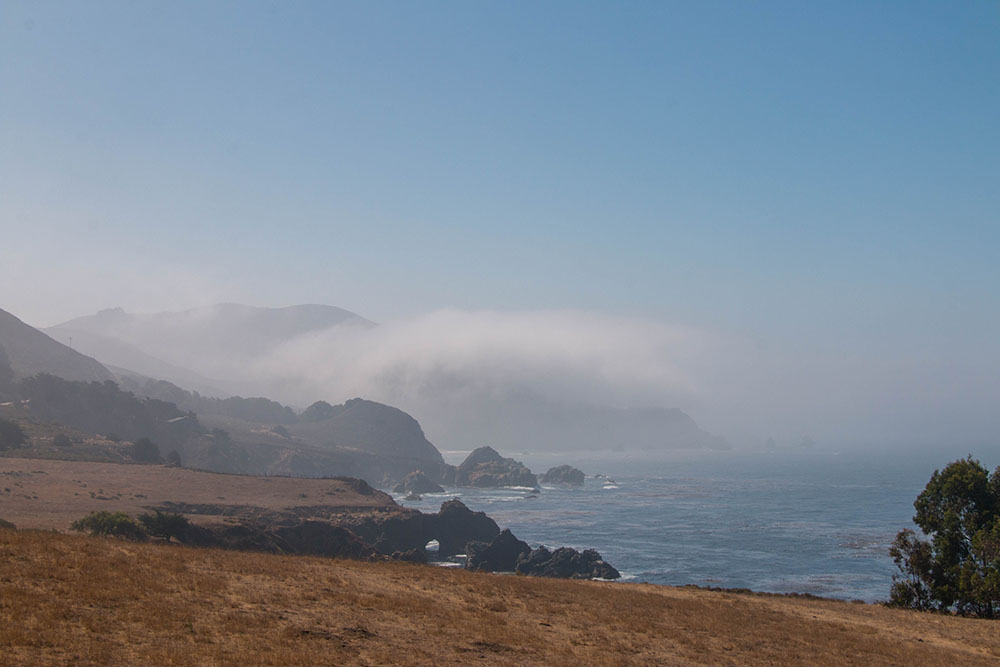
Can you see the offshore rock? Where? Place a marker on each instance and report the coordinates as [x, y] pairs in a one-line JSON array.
[[484, 467], [563, 475], [417, 482]]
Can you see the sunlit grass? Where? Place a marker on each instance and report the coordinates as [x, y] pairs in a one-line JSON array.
[[102, 601]]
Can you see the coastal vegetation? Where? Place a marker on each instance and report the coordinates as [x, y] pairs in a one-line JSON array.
[[958, 568]]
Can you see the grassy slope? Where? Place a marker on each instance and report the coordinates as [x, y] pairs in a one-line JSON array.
[[90, 600], [38, 493]]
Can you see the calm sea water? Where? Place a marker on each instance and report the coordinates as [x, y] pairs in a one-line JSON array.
[[815, 522]]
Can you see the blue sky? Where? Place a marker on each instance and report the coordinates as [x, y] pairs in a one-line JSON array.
[[822, 175]]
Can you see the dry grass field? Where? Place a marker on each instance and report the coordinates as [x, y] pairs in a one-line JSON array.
[[50, 494], [82, 600]]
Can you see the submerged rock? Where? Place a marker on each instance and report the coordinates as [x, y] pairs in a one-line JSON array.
[[563, 474]]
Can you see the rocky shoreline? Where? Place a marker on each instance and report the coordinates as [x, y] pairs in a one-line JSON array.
[[473, 538]]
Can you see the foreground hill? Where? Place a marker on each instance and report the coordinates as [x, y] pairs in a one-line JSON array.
[[96, 601], [27, 351]]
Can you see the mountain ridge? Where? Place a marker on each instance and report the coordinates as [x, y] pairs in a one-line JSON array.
[[30, 351]]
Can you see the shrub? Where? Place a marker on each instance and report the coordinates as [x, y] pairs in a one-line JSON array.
[[173, 458], [958, 569], [7, 525], [146, 451], [11, 435], [165, 525], [110, 524], [62, 440]]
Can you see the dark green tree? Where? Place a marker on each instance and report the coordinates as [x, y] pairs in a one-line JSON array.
[[6, 372], [110, 524], [174, 458], [145, 451], [62, 440], [11, 435], [165, 525], [958, 569]]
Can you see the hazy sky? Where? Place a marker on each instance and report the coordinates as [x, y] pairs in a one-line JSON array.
[[820, 181]]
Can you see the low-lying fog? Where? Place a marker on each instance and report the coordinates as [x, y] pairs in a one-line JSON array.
[[533, 380]]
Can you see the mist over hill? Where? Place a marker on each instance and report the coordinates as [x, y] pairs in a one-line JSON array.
[[519, 382], [189, 346]]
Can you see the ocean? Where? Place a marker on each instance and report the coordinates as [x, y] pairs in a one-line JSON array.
[[797, 521]]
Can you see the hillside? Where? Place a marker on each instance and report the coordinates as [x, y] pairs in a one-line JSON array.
[[128, 361], [372, 427], [51, 494], [530, 422], [194, 345], [28, 351], [230, 349], [97, 601]]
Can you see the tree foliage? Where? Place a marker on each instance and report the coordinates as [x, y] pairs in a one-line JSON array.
[[101, 407], [958, 569], [11, 435], [110, 524], [6, 372], [165, 525], [145, 451]]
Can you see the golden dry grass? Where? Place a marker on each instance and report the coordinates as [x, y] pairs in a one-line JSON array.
[[42, 493], [81, 600]]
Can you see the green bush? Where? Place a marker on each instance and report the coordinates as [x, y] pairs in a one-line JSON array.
[[110, 524], [11, 435], [4, 524], [165, 525], [62, 440], [958, 569], [145, 451]]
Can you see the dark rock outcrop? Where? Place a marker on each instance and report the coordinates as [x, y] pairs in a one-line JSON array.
[[456, 525], [417, 482], [411, 556], [484, 467], [565, 563], [402, 530], [320, 538], [563, 474], [315, 538], [500, 555]]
